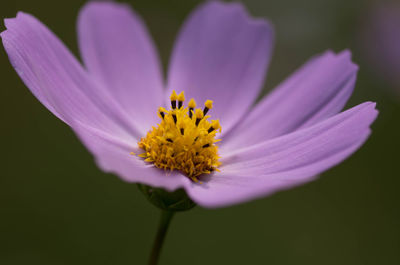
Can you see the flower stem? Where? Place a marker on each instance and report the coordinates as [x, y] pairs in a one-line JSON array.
[[165, 220]]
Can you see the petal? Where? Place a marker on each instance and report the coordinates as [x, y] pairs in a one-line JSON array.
[[286, 161], [118, 51], [56, 78], [221, 54], [313, 93]]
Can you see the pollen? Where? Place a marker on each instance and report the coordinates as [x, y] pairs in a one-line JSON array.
[[184, 140]]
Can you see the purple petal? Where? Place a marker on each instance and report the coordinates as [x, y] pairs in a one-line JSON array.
[[118, 51], [285, 161], [313, 93], [56, 78], [221, 54]]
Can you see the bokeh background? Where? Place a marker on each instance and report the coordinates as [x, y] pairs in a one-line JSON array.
[[57, 207]]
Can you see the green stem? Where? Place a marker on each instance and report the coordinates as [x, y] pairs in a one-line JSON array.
[[165, 220]]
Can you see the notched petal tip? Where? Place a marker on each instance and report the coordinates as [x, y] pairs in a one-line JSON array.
[[3, 36], [374, 112], [238, 9], [9, 23], [20, 15], [20, 20], [346, 54]]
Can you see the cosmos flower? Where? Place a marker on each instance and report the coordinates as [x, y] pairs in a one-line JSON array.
[[228, 151], [380, 41]]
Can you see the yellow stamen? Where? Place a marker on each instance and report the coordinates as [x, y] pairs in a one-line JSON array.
[[209, 104], [181, 96], [174, 96], [181, 99], [181, 141], [199, 114], [192, 104], [215, 126]]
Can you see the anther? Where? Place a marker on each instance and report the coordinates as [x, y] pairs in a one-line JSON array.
[[199, 116], [181, 99], [170, 140], [173, 98], [198, 121], [174, 117], [214, 126], [191, 105], [206, 145], [162, 112], [182, 126], [207, 106]]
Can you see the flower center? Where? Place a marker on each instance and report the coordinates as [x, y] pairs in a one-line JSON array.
[[184, 140]]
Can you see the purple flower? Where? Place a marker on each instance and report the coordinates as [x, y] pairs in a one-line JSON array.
[[221, 54]]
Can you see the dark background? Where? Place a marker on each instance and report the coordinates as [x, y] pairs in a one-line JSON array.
[[57, 207]]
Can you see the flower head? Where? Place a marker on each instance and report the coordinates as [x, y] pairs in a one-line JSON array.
[[184, 140], [117, 103]]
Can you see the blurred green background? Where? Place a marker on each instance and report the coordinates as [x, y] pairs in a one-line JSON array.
[[57, 207]]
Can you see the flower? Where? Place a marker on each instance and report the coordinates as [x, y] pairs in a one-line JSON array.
[[380, 41], [221, 54]]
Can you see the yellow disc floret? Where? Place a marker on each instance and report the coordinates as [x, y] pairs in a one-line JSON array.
[[184, 140]]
